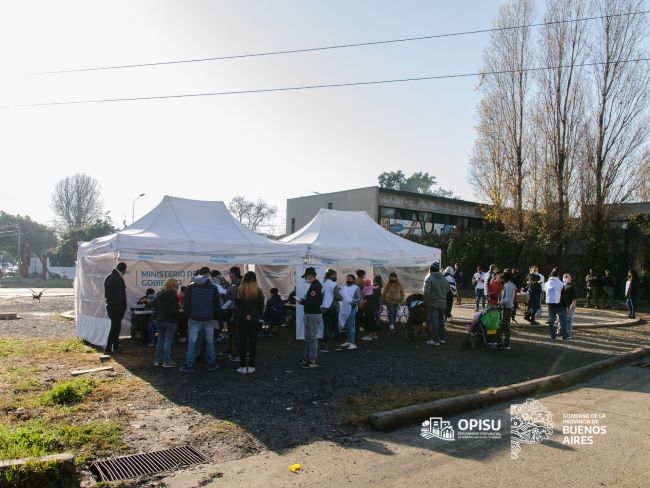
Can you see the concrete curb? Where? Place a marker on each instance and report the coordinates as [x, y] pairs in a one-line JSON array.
[[627, 323], [449, 406]]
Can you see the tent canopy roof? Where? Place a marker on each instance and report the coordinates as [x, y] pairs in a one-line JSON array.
[[180, 229], [347, 237]]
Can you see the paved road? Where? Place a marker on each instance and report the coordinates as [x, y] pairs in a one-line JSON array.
[[403, 458], [26, 292]]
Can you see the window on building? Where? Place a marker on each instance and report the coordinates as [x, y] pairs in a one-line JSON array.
[[293, 225], [403, 214], [386, 213], [329, 206]]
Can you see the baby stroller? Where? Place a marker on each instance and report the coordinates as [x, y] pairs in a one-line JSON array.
[[485, 329], [417, 314]]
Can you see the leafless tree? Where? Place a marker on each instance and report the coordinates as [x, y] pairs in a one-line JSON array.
[[618, 122], [562, 47], [77, 201], [509, 52], [254, 215]]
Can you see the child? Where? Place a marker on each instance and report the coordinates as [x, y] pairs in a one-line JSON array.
[[506, 303], [274, 312]]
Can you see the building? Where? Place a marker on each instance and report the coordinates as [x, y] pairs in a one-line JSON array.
[[401, 212]]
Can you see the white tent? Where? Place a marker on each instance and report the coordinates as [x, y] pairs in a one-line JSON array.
[[341, 239], [336, 237], [176, 237]]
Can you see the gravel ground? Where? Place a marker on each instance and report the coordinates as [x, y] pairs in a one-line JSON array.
[[282, 405]]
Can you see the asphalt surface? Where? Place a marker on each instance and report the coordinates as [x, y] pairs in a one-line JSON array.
[[616, 457]]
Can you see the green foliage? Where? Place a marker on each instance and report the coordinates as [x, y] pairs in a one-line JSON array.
[[39, 438], [68, 393], [76, 345], [52, 474], [66, 252], [35, 238], [418, 182]]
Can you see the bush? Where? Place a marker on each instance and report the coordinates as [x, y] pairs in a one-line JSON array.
[[68, 392]]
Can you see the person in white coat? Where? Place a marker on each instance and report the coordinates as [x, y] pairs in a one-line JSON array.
[[349, 307]]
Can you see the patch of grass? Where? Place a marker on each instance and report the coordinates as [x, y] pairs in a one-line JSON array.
[[39, 438], [68, 393], [356, 409], [44, 475], [10, 347], [76, 345]]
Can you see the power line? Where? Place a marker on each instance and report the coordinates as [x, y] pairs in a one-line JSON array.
[[312, 87], [340, 46]]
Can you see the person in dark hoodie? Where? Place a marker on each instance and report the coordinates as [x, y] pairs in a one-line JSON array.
[[436, 288], [115, 294], [274, 311], [166, 309], [202, 303], [233, 331], [312, 317], [249, 310]]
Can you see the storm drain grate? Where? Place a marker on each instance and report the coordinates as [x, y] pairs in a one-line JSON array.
[[127, 467]]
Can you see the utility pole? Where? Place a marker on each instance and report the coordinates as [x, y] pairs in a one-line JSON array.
[[20, 254]]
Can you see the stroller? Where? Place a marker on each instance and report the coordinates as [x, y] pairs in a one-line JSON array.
[[417, 314], [485, 329]]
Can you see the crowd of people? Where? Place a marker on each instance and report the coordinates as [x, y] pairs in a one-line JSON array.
[[213, 308]]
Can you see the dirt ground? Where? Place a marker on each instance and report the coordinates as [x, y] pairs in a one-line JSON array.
[[230, 416]]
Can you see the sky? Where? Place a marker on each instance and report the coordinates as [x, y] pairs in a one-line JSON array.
[[271, 146]]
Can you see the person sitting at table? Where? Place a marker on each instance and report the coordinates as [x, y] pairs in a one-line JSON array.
[[148, 298], [148, 301]]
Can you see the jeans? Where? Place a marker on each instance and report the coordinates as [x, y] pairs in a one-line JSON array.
[[312, 322], [534, 305], [331, 326], [560, 312], [437, 324], [352, 326], [631, 306], [194, 328], [480, 296], [152, 328], [248, 330], [392, 312], [569, 321], [113, 341], [166, 333]]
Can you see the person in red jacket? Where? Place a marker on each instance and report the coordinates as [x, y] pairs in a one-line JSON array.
[[494, 290]]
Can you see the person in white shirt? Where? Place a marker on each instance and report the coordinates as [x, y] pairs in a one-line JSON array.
[[478, 281], [349, 308], [541, 282]]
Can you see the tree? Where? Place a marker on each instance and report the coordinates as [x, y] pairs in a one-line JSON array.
[[254, 215], [509, 54], [418, 182], [77, 201], [563, 49], [618, 122], [35, 238], [66, 252]]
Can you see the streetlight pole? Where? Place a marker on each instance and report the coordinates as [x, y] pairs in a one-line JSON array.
[[133, 207]]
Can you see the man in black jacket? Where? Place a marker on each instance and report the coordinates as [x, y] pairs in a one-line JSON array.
[[202, 302], [312, 317], [115, 294]]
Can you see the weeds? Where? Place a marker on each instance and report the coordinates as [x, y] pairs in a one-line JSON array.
[[68, 393]]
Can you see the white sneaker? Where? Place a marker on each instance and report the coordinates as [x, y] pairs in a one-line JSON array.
[[345, 345], [250, 370], [366, 338], [242, 370], [352, 347], [432, 343], [391, 327], [442, 341]]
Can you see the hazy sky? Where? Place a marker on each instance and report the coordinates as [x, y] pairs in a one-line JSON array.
[[271, 146]]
